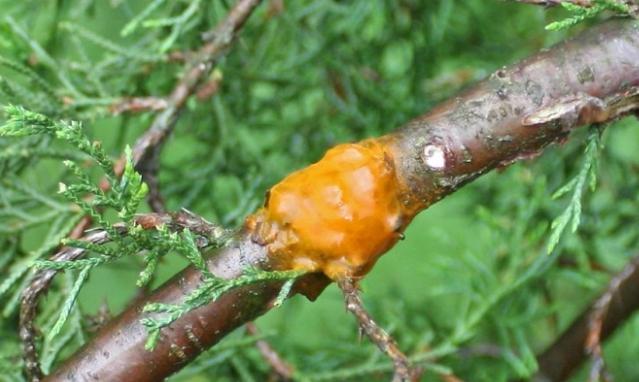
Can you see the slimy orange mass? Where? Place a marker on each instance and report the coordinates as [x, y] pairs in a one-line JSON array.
[[336, 216]]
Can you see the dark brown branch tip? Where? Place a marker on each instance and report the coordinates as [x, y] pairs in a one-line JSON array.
[[597, 322]]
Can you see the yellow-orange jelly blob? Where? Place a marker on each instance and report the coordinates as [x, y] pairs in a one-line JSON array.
[[336, 216]]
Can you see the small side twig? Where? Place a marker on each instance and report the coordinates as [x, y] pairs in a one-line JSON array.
[[386, 343], [551, 3], [597, 322], [220, 39], [280, 367], [138, 104]]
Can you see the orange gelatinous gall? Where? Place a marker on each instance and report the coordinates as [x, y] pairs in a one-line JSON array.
[[336, 216]]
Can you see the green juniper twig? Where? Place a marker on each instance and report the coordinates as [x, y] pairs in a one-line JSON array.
[[145, 156], [125, 196]]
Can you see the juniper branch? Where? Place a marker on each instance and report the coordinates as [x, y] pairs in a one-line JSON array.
[[68, 257], [146, 148], [517, 111]]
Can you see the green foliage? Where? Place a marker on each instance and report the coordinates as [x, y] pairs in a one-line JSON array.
[[586, 176], [124, 196], [581, 13], [296, 82], [69, 302]]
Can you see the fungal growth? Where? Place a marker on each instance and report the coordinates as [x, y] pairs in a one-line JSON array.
[[336, 216]]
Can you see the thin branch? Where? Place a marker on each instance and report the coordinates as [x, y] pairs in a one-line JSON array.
[[221, 38], [150, 168], [138, 104], [146, 150], [280, 367], [385, 343], [598, 321], [551, 3]]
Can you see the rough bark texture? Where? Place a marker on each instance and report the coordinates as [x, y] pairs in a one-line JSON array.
[[513, 114], [491, 124]]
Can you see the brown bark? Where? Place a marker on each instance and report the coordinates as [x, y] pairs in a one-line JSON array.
[[513, 114], [519, 110]]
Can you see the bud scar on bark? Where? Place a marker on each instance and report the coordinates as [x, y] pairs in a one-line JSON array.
[[434, 157]]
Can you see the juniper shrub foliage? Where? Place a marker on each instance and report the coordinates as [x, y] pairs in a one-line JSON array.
[[485, 279]]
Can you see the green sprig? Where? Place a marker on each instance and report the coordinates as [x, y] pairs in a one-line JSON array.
[[587, 176], [581, 13]]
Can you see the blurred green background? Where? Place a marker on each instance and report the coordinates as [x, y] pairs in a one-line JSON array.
[[473, 271]]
